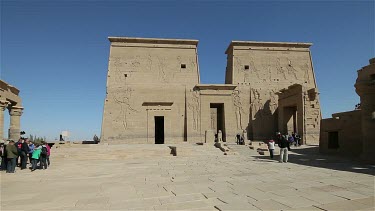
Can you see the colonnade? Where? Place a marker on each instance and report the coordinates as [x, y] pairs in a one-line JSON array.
[[15, 113]]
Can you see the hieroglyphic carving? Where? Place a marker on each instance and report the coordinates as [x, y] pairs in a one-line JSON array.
[[195, 108], [123, 99], [238, 108]]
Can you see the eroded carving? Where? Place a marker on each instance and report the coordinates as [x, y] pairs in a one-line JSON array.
[[273, 101], [162, 69], [124, 100], [306, 71], [279, 68], [291, 70], [195, 108], [238, 108], [256, 103]]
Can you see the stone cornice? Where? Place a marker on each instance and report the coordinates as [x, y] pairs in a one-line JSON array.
[[153, 40], [267, 44]]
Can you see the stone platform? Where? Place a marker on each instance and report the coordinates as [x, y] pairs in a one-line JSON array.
[[148, 177]]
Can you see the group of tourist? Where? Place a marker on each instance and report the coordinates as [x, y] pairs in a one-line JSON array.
[[284, 142], [19, 153]]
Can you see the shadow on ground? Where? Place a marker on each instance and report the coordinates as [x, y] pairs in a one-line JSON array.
[[310, 156]]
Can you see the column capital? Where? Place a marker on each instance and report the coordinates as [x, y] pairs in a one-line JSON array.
[[15, 111], [3, 104]]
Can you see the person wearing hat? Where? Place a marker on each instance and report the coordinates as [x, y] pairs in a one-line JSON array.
[[12, 154]]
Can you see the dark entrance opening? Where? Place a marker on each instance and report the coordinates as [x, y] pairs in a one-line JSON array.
[[290, 119], [218, 118], [159, 129], [333, 140]]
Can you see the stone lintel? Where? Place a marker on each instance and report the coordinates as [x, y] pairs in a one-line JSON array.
[[216, 86], [267, 44], [153, 40], [157, 104]]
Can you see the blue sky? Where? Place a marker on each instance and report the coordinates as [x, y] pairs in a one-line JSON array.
[[56, 52]]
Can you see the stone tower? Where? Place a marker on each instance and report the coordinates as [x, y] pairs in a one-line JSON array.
[[365, 88], [263, 71]]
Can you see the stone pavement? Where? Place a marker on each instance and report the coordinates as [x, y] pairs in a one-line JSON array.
[[147, 177]]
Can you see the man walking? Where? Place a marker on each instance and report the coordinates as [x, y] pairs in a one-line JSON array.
[[283, 144]]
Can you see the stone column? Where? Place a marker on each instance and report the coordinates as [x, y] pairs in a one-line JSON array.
[[15, 122], [3, 106]]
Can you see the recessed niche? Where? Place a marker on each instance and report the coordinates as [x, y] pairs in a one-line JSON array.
[[183, 66], [126, 75], [247, 67]]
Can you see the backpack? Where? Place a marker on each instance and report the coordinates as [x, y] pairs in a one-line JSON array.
[[44, 151], [291, 139]]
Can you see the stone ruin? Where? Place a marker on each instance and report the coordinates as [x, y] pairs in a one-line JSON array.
[[10, 100]]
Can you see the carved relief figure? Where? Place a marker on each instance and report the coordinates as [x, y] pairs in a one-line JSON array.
[[135, 63], [253, 68], [246, 76], [149, 62], [279, 68], [256, 104], [117, 65], [273, 101], [213, 119], [267, 67], [123, 99], [238, 65], [194, 107], [291, 70], [238, 108], [305, 68], [192, 64], [162, 72]]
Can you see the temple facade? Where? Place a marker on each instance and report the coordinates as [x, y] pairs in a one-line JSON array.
[[154, 94]]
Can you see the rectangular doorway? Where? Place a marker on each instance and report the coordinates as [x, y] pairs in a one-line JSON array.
[[218, 118], [159, 129], [290, 119], [333, 140]]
